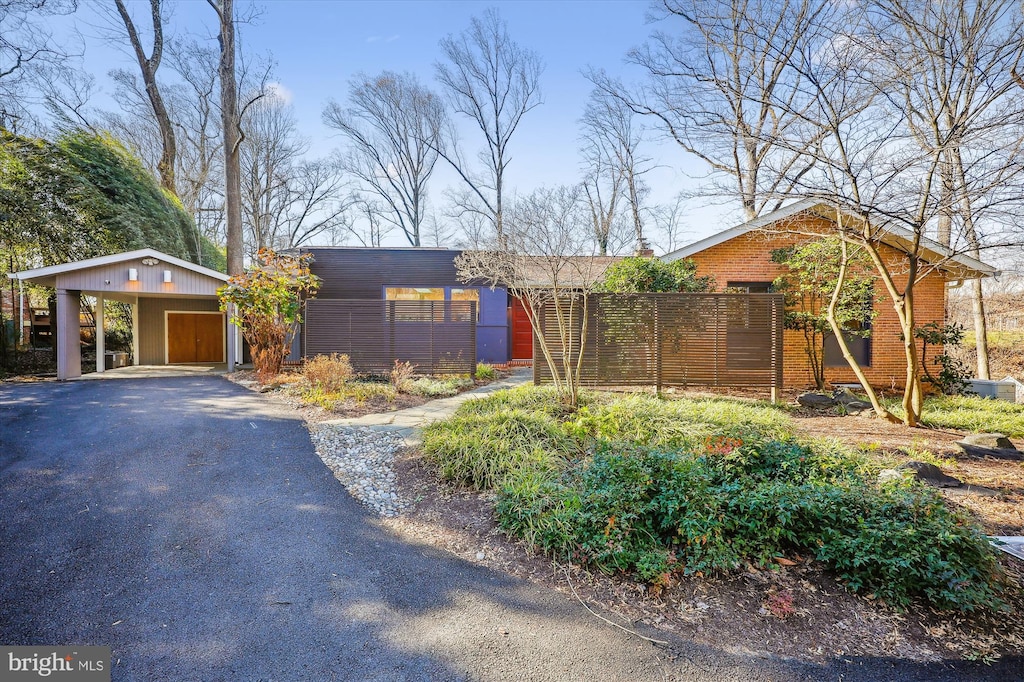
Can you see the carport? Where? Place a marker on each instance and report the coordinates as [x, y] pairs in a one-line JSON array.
[[175, 310]]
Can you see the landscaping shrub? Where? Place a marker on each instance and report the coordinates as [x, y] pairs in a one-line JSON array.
[[678, 424], [358, 391], [430, 387], [328, 372], [483, 450], [401, 374], [536, 399], [693, 486], [654, 512], [971, 413], [485, 372]]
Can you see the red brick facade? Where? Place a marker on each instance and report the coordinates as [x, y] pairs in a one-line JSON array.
[[747, 258]]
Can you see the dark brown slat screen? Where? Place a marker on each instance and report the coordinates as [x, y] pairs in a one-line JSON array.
[[718, 340], [438, 337]]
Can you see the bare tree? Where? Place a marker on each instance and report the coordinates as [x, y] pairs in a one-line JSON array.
[[373, 229], [670, 223], [231, 117], [320, 204], [149, 64], [614, 166], [26, 46], [494, 81], [547, 260], [714, 82], [394, 127], [196, 115], [963, 98], [267, 155], [869, 162]]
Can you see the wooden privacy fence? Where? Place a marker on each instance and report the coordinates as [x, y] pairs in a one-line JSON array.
[[718, 340], [438, 337]]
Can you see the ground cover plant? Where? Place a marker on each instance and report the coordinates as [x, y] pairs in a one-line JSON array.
[[329, 382], [972, 413], [663, 488]]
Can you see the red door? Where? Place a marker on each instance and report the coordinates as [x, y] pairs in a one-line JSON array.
[[522, 333]]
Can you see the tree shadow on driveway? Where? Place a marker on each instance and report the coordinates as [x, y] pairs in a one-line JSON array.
[[188, 524]]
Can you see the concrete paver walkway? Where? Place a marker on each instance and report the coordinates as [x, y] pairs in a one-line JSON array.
[[409, 421]]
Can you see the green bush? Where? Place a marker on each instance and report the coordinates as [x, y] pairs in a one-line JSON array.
[[481, 451], [679, 424], [706, 485], [485, 372], [430, 387], [537, 399], [653, 512]]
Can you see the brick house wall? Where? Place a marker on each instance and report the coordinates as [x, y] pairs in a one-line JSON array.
[[747, 258]]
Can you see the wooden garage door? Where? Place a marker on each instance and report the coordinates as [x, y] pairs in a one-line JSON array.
[[195, 337]]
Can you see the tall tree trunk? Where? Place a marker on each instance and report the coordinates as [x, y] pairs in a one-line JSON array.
[[232, 135], [149, 65], [837, 331], [980, 328]]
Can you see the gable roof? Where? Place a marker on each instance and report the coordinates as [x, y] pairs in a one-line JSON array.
[[47, 276], [895, 236]]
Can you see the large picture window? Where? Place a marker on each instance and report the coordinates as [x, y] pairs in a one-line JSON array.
[[410, 314]]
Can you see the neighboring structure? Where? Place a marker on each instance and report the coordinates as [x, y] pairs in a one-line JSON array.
[[740, 259], [17, 317], [175, 315]]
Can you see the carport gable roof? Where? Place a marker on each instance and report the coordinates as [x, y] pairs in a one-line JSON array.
[[48, 276]]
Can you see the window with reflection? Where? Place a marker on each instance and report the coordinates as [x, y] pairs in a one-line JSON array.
[[465, 295], [416, 313]]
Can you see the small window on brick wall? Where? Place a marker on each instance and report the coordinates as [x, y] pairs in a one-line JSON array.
[[749, 287], [860, 347]]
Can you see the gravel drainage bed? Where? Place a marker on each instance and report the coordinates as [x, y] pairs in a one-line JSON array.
[[361, 459]]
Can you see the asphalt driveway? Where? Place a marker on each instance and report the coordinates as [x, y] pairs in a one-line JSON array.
[[188, 524]]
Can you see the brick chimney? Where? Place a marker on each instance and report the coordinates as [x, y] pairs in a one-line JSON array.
[[643, 249]]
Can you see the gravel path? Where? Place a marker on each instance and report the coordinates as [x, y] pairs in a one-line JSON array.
[[360, 451]]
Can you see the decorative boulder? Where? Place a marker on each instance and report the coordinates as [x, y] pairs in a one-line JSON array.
[[816, 400], [931, 474], [1012, 454], [858, 407], [989, 440]]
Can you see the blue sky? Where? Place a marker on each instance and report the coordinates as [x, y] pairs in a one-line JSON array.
[[319, 45]]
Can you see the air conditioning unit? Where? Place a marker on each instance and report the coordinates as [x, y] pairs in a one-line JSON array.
[[997, 390]]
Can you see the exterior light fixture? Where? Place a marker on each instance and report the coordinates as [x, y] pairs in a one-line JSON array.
[[149, 261], [133, 275], [167, 276]]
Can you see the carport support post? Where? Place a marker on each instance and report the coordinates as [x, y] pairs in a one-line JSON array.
[[100, 341], [69, 334], [232, 340], [135, 331]]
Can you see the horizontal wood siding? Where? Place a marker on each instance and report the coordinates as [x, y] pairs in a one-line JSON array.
[[151, 280], [438, 337], [718, 340], [363, 273], [152, 332]]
